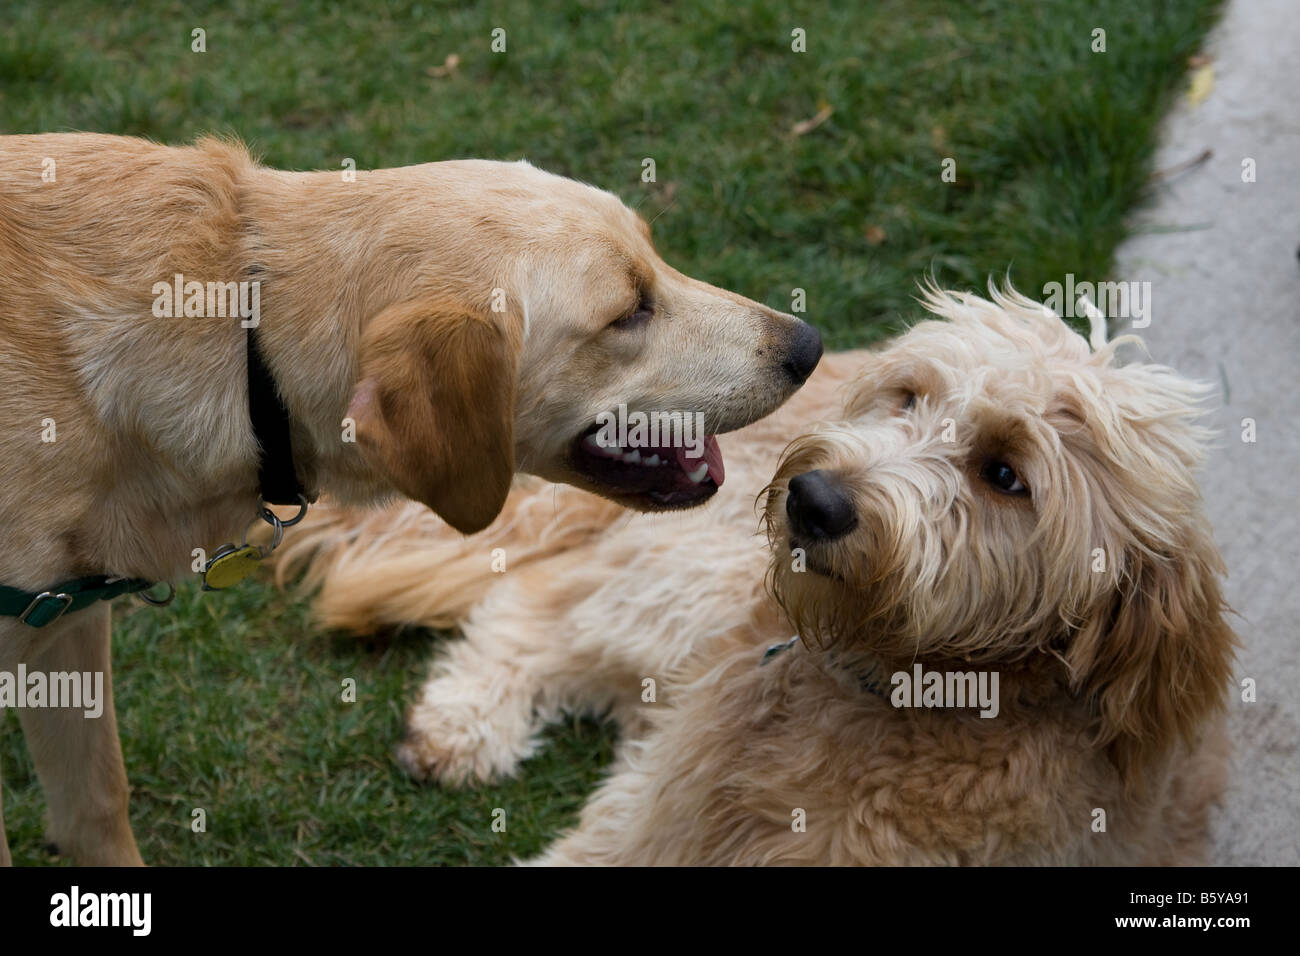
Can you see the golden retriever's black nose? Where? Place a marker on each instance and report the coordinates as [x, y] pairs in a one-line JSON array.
[[819, 507], [805, 353]]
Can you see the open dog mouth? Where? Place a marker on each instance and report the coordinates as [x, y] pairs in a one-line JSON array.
[[655, 476]]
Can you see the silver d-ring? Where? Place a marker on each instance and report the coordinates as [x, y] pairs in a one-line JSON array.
[[157, 602], [269, 517], [277, 530]]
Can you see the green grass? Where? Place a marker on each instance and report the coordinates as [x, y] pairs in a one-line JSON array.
[[231, 702]]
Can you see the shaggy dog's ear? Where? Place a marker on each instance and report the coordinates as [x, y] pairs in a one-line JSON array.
[[1154, 653], [434, 408], [1158, 660]]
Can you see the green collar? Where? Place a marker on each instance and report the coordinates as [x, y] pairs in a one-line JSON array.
[[44, 607]]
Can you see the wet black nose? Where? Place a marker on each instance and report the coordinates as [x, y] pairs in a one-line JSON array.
[[805, 353], [819, 507]]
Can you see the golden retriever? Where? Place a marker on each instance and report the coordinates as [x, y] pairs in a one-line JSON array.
[[986, 499], [430, 331]]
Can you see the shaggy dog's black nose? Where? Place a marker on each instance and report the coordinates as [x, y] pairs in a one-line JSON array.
[[805, 353], [819, 507]]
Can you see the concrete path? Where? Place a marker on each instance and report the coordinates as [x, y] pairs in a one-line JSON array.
[[1221, 257]]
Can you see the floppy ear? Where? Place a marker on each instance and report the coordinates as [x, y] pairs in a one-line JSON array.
[[1158, 662], [434, 408]]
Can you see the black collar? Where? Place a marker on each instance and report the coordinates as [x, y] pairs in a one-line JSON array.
[[276, 475]]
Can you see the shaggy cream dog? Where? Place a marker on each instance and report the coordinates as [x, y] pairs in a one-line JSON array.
[[986, 499]]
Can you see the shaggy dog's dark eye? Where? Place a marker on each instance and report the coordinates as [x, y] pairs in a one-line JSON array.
[[1001, 476], [637, 317], [909, 402]]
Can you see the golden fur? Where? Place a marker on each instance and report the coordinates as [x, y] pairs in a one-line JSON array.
[[459, 315], [1114, 663]]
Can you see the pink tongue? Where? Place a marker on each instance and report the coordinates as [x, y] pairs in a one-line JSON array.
[[712, 455]]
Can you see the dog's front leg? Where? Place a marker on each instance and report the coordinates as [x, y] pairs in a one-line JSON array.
[[524, 660], [77, 754]]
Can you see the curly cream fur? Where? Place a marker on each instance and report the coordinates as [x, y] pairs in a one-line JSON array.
[[1114, 663]]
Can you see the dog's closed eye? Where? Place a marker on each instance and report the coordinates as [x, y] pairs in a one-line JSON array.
[[638, 317]]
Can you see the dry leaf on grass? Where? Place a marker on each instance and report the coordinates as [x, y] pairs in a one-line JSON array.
[[448, 66], [807, 126]]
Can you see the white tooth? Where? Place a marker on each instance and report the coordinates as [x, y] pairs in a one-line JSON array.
[[633, 457], [698, 474], [652, 460]]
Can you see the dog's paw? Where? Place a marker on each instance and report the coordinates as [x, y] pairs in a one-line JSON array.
[[457, 744]]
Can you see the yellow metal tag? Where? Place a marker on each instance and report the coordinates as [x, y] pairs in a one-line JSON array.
[[227, 570]]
